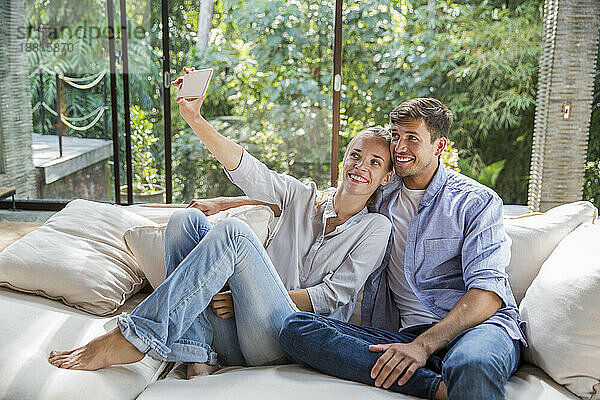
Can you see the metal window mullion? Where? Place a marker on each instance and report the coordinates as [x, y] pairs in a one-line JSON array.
[[167, 102], [113, 97], [126, 112], [337, 84]]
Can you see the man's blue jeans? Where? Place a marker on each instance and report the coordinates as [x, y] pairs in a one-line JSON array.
[[475, 365], [176, 323]]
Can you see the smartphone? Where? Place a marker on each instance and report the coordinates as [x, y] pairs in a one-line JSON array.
[[195, 83]]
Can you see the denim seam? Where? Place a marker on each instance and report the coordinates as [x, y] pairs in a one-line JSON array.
[[339, 331], [208, 353], [188, 342], [193, 293], [202, 229], [434, 387], [290, 302]]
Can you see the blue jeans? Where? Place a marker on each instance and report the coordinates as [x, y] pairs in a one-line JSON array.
[[176, 323], [475, 365]]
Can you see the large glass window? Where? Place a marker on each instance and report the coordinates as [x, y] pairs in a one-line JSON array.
[[270, 92], [479, 58], [64, 46], [146, 111]]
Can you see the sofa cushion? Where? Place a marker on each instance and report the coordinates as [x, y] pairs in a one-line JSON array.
[[156, 212], [32, 326], [534, 237], [77, 257], [562, 311], [147, 242], [298, 382]]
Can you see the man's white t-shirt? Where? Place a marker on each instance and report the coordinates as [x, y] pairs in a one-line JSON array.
[[412, 311]]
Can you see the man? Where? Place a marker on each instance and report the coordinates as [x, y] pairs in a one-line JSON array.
[[439, 319]]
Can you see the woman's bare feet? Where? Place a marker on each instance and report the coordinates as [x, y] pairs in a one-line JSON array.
[[109, 349], [195, 370]]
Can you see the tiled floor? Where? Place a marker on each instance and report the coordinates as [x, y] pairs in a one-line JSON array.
[[16, 224], [25, 215]]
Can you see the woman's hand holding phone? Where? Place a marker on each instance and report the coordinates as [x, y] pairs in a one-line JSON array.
[[189, 108], [227, 152]]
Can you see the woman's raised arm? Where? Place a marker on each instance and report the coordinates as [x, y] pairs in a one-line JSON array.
[[226, 151]]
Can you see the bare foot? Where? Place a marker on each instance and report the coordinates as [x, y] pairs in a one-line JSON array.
[[195, 370], [106, 350]]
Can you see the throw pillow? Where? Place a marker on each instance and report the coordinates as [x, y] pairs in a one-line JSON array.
[[157, 213], [77, 257], [147, 242], [562, 311], [535, 236]]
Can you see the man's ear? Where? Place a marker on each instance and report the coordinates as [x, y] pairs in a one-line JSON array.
[[441, 145], [387, 178]]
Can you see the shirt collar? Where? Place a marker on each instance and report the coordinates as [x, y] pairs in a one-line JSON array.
[[437, 183], [329, 211]]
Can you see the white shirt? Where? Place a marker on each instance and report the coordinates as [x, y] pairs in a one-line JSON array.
[[412, 311], [332, 267]]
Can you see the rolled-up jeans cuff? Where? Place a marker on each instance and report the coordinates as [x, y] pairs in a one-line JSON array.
[[181, 351], [434, 387], [141, 341], [189, 351]]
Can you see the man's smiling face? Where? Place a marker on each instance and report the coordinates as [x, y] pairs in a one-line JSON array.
[[414, 154]]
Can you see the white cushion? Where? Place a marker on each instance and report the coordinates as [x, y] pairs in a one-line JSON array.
[[298, 382], [32, 326], [147, 242], [265, 383], [562, 311], [157, 213], [78, 257], [535, 236]]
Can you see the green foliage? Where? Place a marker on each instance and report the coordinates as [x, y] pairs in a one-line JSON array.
[[486, 175], [145, 175], [479, 58], [272, 86]]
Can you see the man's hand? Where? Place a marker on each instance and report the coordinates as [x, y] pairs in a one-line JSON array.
[[396, 359], [222, 304], [207, 206]]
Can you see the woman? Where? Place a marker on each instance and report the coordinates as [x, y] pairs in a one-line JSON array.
[[322, 250]]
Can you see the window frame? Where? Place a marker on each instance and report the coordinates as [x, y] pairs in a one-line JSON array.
[[56, 205]]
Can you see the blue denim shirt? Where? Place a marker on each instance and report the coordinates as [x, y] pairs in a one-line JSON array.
[[456, 242]]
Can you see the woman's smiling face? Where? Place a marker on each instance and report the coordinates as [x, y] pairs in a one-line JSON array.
[[367, 164]]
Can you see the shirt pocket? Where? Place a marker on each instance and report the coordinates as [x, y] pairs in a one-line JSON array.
[[442, 259]]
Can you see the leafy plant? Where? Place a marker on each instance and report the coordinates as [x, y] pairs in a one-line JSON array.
[[486, 175], [145, 174], [272, 86]]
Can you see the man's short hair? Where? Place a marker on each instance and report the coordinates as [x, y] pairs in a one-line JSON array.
[[437, 117]]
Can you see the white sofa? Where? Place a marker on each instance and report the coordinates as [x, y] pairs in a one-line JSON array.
[[31, 326]]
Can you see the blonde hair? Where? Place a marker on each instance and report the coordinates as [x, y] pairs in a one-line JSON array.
[[374, 131]]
